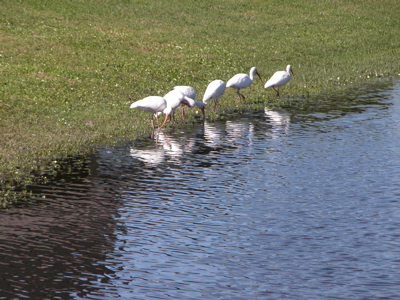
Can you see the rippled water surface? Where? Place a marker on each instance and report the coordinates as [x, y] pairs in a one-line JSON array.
[[278, 204]]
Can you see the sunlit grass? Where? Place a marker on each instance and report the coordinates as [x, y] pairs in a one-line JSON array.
[[70, 69]]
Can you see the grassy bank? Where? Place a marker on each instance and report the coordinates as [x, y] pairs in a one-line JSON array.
[[70, 69]]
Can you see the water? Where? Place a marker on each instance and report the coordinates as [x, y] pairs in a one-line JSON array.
[[276, 204]]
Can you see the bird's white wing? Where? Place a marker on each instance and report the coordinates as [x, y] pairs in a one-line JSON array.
[[214, 90], [187, 91], [278, 79], [151, 104], [239, 81]]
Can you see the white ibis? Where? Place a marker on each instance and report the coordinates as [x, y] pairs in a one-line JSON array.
[[188, 91], [155, 105], [214, 91], [175, 98], [242, 81], [280, 78]]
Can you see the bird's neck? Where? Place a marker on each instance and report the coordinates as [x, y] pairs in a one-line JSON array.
[[251, 75]]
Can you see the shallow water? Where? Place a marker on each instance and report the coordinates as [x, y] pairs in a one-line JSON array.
[[276, 204]]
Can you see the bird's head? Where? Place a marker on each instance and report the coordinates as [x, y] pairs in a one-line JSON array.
[[254, 71], [202, 107], [289, 69]]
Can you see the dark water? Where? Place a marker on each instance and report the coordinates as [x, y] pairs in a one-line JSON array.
[[277, 204]]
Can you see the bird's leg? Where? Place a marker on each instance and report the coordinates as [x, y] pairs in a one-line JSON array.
[[276, 90], [215, 104], [156, 115], [152, 120], [183, 112], [165, 120], [244, 98], [239, 95]]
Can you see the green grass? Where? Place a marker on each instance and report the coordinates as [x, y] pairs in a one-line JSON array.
[[69, 69]]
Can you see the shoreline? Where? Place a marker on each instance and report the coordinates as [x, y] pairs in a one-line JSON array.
[[17, 190]]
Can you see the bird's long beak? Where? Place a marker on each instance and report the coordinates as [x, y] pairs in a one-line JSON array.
[[291, 71], [204, 113], [165, 120], [259, 76]]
